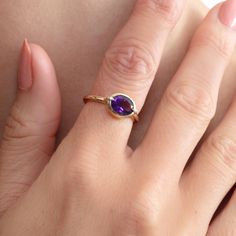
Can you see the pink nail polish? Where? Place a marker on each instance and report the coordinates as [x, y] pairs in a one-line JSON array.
[[227, 13], [25, 70]]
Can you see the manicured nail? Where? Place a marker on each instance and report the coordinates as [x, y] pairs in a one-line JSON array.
[[227, 13], [25, 70]]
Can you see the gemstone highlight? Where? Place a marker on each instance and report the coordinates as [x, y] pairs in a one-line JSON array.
[[122, 105]]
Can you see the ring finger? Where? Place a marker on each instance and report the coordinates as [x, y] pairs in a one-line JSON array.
[[129, 67]]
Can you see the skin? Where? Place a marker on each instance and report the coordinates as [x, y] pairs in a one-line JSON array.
[[75, 172], [76, 62]]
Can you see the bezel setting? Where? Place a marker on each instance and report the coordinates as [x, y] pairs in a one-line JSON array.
[[119, 105], [115, 105]]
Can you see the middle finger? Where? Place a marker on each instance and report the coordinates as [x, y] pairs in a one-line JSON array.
[[190, 100]]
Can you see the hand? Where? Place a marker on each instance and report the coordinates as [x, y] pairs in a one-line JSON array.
[[94, 184]]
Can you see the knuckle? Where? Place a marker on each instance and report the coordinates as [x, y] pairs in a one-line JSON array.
[[223, 148], [214, 40], [80, 175], [169, 10], [145, 207], [131, 60], [21, 124], [15, 126], [142, 213], [194, 100]]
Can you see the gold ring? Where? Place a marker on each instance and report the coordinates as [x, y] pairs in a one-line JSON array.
[[118, 104]]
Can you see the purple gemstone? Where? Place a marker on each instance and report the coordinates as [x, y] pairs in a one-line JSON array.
[[122, 105]]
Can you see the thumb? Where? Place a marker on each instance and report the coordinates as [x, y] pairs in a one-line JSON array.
[[30, 130]]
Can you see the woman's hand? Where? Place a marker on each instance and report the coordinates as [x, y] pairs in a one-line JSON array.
[[94, 184]]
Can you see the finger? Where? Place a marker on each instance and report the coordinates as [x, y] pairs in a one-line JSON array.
[[213, 171], [225, 223], [29, 136], [190, 100], [129, 67]]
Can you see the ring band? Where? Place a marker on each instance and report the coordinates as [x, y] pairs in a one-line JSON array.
[[118, 104]]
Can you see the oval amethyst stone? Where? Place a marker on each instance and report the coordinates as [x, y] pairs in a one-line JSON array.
[[122, 105]]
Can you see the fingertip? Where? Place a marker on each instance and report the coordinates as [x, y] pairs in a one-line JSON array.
[[224, 14], [39, 94], [42, 67], [45, 85], [25, 68]]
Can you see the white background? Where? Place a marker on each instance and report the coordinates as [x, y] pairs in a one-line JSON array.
[[210, 3]]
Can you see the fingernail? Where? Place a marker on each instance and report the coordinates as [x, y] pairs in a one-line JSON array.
[[25, 70], [227, 14]]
